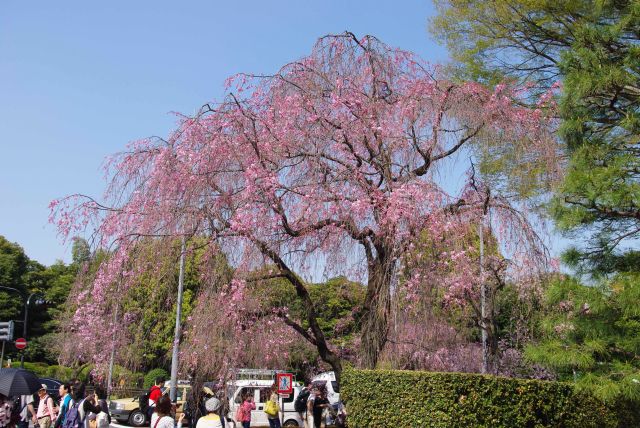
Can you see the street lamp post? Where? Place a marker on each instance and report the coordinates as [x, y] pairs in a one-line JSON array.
[[26, 317], [176, 338]]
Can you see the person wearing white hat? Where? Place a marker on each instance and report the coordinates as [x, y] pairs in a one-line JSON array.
[[46, 413], [212, 419]]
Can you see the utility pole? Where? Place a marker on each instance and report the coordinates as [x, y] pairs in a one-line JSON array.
[[483, 301], [113, 351], [176, 337]]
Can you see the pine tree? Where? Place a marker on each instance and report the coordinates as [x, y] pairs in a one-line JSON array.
[[592, 336], [593, 48]]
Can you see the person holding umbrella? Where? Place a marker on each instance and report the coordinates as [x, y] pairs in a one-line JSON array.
[[15, 383]]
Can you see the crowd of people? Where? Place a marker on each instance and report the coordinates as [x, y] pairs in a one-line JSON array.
[[74, 409], [205, 407]]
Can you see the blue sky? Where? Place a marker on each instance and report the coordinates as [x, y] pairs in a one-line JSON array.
[[80, 79]]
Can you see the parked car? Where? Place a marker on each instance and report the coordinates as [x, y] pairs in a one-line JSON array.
[[127, 410]]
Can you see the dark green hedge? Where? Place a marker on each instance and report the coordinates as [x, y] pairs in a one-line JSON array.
[[383, 398]]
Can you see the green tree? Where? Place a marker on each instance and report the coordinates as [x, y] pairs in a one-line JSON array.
[[28, 276], [592, 336], [14, 266], [148, 310], [593, 48], [338, 302], [54, 284], [80, 251]]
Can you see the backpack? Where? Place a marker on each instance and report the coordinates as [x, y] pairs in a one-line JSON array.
[[300, 404], [73, 418], [103, 420], [240, 413], [143, 401]]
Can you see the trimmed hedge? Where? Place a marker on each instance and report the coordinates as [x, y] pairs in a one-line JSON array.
[[384, 398]]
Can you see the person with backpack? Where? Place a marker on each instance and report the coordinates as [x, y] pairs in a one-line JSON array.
[[155, 392], [300, 405], [27, 412], [162, 415], [65, 402], [213, 419], [81, 407], [243, 415], [46, 414]]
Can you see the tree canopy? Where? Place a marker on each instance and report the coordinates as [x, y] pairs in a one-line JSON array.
[[336, 157], [590, 50]]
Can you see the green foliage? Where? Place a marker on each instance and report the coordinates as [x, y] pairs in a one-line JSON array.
[[337, 303], [80, 251], [150, 377], [39, 369], [425, 399], [28, 276], [14, 266], [151, 303], [593, 47], [591, 335], [62, 373]]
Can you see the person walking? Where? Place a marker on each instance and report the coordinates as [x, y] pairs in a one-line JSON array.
[[162, 415], [272, 408], [65, 403], [87, 405], [27, 412], [300, 405], [5, 411], [212, 419], [245, 410], [103, 418], [154, 394], [46, 414], [309, 420], [318, 405]]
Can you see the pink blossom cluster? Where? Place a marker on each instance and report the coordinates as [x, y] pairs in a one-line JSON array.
[[339, 153]]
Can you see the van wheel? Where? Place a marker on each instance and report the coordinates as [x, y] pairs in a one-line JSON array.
[[290, 423], [137, 418]]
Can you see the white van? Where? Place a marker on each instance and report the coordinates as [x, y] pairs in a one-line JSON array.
[[261, 390]]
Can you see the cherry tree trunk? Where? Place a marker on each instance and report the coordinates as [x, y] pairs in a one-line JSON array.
[[376, 308]]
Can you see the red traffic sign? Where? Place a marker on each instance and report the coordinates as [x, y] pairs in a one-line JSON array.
[[21, 343], [285, 383]]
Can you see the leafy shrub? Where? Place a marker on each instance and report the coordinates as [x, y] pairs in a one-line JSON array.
[[40, 369], [384, 398], [126, 378], [150, 377], [60, 372]]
